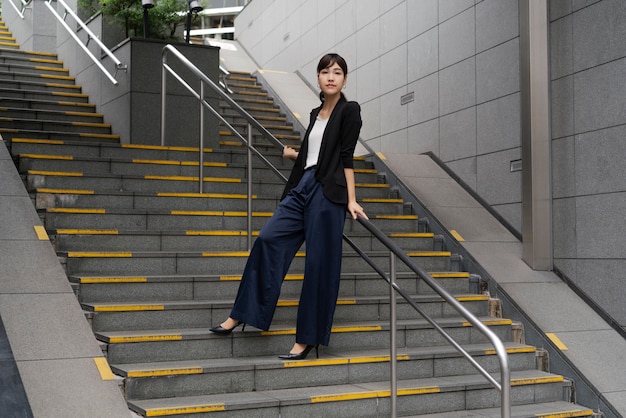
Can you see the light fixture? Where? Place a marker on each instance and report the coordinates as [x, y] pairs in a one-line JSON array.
[[194, 7], [147, 4]]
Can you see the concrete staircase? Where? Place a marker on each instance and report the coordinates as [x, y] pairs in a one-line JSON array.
[[155, 264]]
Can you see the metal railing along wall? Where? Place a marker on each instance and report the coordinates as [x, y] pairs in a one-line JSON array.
[[503, 386], [20, 12], [90, 36]]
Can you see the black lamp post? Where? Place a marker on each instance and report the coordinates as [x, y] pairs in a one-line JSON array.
[[194, 7], [147, 4]]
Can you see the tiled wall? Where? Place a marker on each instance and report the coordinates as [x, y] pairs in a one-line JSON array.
[[589, 147], [460, 59]]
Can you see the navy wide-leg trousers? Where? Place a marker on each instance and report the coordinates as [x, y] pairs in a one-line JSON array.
[[305, 215]]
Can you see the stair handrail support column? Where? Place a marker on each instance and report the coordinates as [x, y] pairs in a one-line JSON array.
[[393, 331], [504, 386], [90, 35], [19, 12]]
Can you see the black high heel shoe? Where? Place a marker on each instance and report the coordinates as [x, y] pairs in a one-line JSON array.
[[302, 355], [220, 330]]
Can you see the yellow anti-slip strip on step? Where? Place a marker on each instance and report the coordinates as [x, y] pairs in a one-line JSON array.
[[412, 234], [85, 114], [77, 210], [45, 61], [523, 381], [63, 86], [91, 125], [145, 338], [292, 277], [56, 77], [101, 136], [191, 178], [38, 141], [104, 280], [397, 217], [97, 254], [219, 233], [48, 157], [165, 372], [292, 331], [181, 410], [374, 394], [513, 350], [55, 173], [58, 70], [489, 322], [566, 414], [429, 253], [87, 232], [164, 148], [291, 303], [43, 54], [128, 308], [450, 274], [79, 95], [218, 213], [65, 191], [206, 195], [380, 200], [373, 185], [344, 360]]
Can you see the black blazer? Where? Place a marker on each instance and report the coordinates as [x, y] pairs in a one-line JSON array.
[[336, 153]]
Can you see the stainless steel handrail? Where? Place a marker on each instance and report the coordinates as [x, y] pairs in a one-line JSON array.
[[252, 123], [90, 35], [504, 386], [19, 12]]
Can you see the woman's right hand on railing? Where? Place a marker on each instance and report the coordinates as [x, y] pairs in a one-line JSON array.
[[290, 153]]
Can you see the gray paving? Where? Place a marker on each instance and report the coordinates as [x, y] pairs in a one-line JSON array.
[[49, 337]]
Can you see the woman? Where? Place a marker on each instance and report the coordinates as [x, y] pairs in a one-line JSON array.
[[312, 210]]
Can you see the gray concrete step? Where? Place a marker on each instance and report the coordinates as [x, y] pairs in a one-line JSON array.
[[417, 397], [543, 409], [11, 52], [137, 316], [43, 95], [55, 125], [41, 84], [9, 133], [12, 68], [168, 220], [224, 262], [53, 105], [103, 240], [148, 288], [158, 345], [30, 60], [218, 196], [203, 377], [38, 114]]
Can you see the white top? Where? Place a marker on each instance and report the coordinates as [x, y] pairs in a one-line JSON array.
[[315, 142]]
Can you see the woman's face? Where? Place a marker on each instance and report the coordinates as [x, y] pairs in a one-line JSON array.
[[331, 79]]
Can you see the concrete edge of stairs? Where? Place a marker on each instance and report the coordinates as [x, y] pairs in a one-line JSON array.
[[46, 328]]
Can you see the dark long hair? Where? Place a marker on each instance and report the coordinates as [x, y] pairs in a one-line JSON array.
[[328, 60]]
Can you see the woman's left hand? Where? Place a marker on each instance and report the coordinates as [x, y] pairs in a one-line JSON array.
[[355, 209]]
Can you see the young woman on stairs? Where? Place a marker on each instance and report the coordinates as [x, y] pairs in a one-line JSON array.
[[312, 209]]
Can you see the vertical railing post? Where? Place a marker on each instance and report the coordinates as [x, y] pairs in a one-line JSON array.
[[393, 326], [249, 214], [163, 97], [201, 153]]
